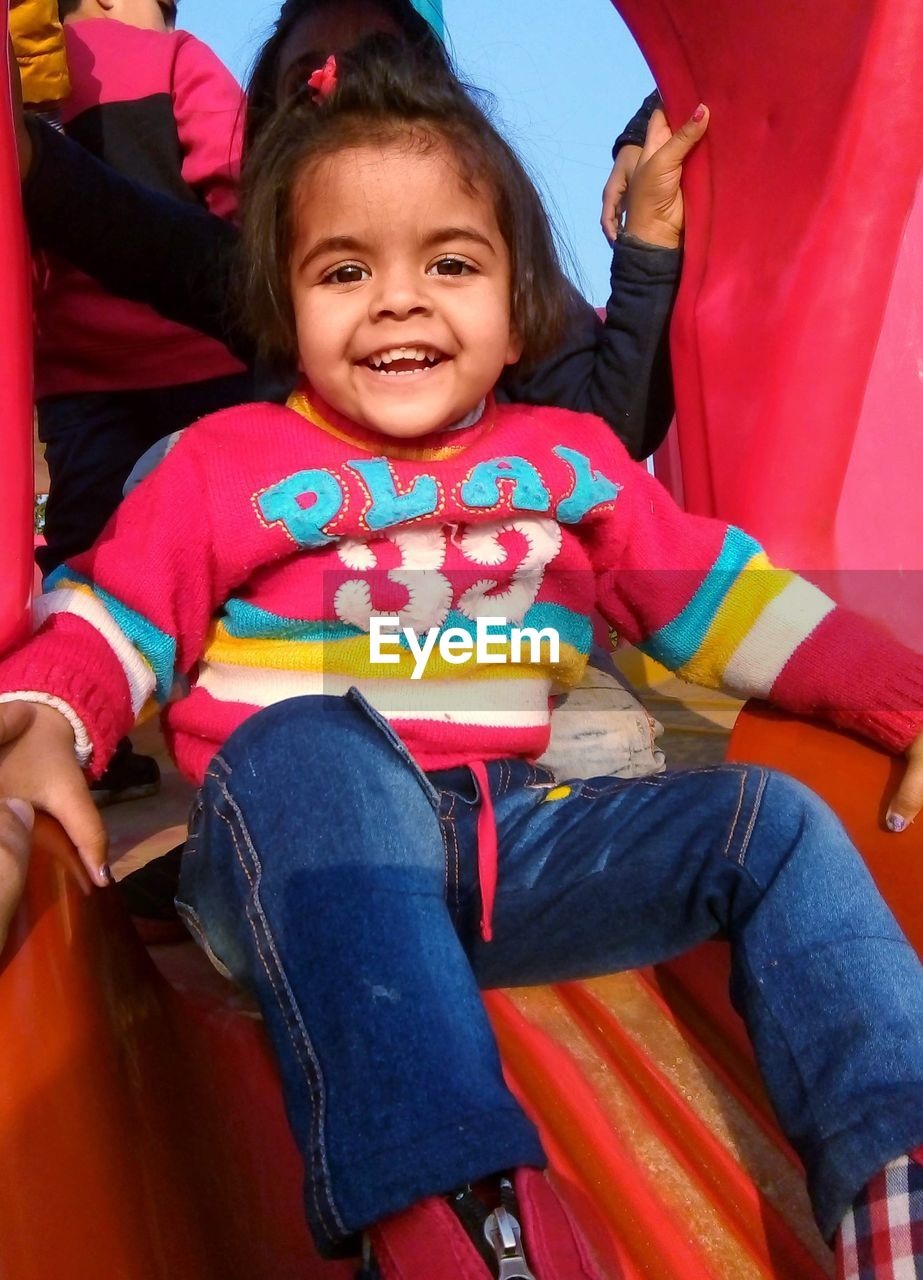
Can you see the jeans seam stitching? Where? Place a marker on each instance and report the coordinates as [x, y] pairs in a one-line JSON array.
[[443, 827], [450, 827], [735, 819], [445, 822], [753, 815], [456, 848], [288, 1008]]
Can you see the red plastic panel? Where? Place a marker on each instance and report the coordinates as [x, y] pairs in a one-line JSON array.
[[797, 205], [142, 1134], [15, 383]]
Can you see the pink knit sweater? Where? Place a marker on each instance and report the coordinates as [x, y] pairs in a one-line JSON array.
[[254, 561]]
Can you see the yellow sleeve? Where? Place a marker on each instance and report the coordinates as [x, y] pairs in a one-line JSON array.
[[38, 41]]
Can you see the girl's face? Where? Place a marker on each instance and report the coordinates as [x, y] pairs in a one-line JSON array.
[[400, 282], [332, 29]]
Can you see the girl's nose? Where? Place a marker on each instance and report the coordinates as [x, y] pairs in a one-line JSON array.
[[400, 294]]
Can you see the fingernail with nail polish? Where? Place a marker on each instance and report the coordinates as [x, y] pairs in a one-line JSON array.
[[699, 113], [895, 822], [105, 873]]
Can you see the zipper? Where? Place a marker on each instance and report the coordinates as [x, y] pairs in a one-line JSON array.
[[504, 1235]]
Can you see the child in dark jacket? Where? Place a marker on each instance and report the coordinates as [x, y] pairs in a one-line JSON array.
[[112, 377]]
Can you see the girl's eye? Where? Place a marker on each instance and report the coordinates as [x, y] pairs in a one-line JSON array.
[[348, 273], [451, 266]]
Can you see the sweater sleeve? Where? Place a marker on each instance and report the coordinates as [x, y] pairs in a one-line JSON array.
[[208, 106], [618, 368], [703, 599], [178, 259], [119, 622]]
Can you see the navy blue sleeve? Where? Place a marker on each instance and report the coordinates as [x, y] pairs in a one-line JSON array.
[[174, 256], [619, 368], [634, 133]]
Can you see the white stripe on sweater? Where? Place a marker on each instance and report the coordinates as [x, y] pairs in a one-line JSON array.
[[140, 677], [787, 620], [493, 703]]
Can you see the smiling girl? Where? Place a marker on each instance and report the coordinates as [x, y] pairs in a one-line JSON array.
[[366, 867]]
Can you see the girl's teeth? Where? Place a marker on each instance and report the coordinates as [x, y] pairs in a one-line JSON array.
[[419, 354]]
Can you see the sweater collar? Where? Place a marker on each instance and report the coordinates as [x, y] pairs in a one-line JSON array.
[[439, 445]]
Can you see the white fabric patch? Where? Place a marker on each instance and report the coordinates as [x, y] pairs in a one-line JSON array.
[[600, 729]]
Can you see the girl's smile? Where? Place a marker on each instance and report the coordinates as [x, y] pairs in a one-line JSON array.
[[401, 287]]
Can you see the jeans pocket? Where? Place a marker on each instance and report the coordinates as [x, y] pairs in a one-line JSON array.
[[397, 743]]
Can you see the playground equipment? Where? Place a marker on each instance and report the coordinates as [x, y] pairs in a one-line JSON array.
[[141, 1130]]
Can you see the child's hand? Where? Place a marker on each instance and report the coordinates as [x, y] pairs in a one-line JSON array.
[[908, 800], [626, 161], [38, 764], [655, 200]]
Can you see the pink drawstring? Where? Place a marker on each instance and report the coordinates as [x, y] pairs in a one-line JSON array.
[[487, 849]]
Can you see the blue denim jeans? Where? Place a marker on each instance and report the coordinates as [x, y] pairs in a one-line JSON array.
[[339, 883]]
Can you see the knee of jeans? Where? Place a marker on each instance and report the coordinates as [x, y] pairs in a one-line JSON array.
[[793, 821]]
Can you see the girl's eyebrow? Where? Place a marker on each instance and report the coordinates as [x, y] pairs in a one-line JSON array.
[[331, 244], [441, 234]]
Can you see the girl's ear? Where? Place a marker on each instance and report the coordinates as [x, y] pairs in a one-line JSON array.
[[514, 350]]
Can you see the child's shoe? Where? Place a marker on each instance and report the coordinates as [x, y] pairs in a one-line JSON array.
[[424, 1242], [528, 1235], [129, 776]]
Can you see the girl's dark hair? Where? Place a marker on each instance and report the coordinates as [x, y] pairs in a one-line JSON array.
[[386, 92], [262, 90]]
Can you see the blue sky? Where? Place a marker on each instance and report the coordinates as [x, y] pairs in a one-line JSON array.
[[566, 76]]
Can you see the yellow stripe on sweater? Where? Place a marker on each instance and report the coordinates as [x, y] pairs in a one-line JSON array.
[[758, 584], [352, 656]]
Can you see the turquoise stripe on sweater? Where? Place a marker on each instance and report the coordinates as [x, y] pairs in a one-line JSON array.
[[676, 644], [154, 645], [246, 621]]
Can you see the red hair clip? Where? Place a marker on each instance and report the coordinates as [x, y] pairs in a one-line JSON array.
[[324, 80]]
